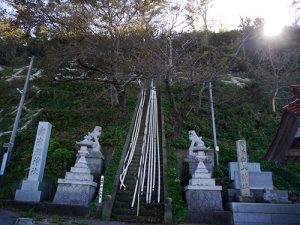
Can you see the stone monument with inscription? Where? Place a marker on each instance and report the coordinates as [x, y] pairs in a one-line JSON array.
[[32, 187], [243, 174]]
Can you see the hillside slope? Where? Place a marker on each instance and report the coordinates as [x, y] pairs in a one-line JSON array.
[[73, 108]]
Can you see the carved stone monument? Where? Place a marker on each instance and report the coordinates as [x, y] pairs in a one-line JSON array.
[[95, 158], [78, 187], [32, 187], [245, 194], [202, 194]]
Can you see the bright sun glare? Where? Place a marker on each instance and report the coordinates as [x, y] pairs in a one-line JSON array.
[[276, 17], [272, 29]]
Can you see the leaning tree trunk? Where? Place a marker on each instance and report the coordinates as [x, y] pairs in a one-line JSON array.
[[177, 125], [122, 101], [114, 95], [274, 100], [179, 112]]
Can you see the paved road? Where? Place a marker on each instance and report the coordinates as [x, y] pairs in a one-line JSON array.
[[10, 218], [7, 217]]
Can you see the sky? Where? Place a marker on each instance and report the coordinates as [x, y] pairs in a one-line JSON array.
[[226, 13]]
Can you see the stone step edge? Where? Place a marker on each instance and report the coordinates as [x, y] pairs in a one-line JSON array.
[[203, 187], [64, 181]]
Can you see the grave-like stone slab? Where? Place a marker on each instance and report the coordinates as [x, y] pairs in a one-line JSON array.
[[31, 189], [233, 167], [257, 180]]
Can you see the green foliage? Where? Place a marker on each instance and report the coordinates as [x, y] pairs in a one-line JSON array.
[[111, 170], [173, 185], [237, 116], [73, 108], [57, 160]]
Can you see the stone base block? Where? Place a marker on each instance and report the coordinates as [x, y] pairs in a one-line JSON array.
[[33, 191], [201, 175], [203, 200], [28, 195], [265, 213], [74, 194], [216, 217], [250, 198], [203, 182], [259, 195]]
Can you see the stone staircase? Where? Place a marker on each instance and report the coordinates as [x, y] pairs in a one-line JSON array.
[[148, 213]]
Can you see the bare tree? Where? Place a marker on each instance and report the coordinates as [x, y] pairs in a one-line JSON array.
[[196, 9], [93, 36]]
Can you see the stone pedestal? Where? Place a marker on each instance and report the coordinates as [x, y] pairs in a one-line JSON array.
[[202, 194], [78, 187], [32, 189]]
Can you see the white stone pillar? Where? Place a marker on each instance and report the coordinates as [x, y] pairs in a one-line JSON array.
[[30, 190]]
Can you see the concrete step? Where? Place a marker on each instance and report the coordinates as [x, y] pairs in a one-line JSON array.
[[123, 197], [121, 204], [137, 219], [154, 211]]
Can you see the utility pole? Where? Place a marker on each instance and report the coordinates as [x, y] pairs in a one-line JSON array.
[[216, 147], [10, 145]]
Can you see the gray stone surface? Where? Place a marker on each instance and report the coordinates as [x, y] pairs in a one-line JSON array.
[[202, 194], [270, 196], [259, 195], [30, 190], [257, 180], [265, 213], [74, 194], [198, 200], [95, 161], [95, 158], [7, 217], [196, 143], [243, 174], [209, 217], [252, 217], [208, 162], [28, 195], [233, 167], [264, 207], [25, 221], [78, 187]]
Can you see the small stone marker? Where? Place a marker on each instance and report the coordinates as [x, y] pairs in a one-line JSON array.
[[245, 194], [30, 190], [101, 189]]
